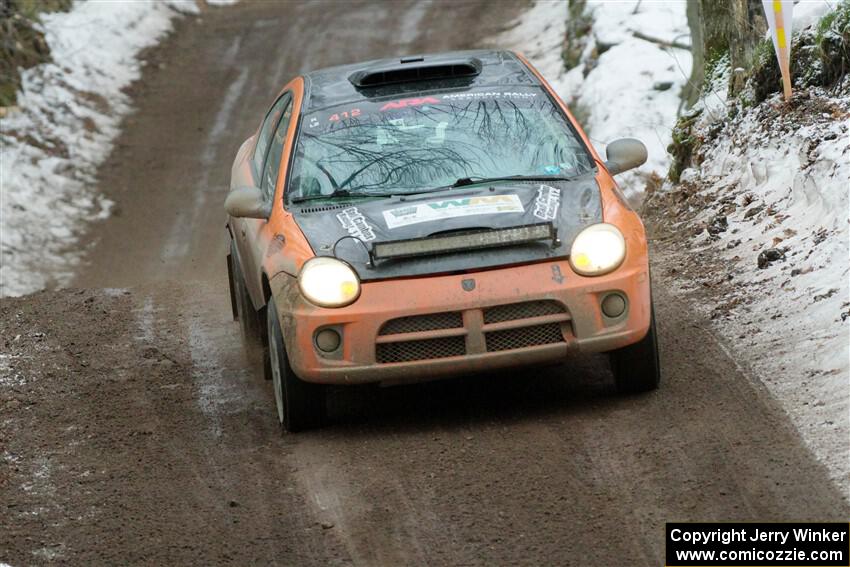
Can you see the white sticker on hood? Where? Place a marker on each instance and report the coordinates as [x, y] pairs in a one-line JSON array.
[[453, 208], [546, 203], [355, 223]]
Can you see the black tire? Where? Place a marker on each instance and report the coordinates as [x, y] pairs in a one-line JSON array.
[[249, 320], [300, 405], [637, 367]]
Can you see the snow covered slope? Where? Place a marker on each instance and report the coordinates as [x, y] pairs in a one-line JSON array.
[[765, 218], [765, 214], [68, 113]]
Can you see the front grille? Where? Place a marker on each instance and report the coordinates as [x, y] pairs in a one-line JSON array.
[[421, 350], [524, 337], [392, 346], [419, 323], [525, 310]]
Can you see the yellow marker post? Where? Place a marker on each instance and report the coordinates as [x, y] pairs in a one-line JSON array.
[[779, 18]]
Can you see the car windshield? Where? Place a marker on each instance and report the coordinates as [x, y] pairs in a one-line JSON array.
[[405, 145]]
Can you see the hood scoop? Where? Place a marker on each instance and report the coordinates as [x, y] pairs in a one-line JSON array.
[[410, 69]]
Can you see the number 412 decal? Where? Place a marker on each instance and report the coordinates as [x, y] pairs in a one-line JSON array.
[[344, 115]]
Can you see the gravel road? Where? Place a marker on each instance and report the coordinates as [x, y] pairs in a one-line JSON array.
[[134, 430]]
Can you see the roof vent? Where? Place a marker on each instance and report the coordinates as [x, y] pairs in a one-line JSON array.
[[412, 69]]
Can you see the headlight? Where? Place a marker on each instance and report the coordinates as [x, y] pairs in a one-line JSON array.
[[328, 282], [597, 250]]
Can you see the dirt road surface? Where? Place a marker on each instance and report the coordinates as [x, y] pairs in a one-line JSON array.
[[133, 430]]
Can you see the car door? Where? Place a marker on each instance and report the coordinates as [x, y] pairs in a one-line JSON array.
[[265, 163]]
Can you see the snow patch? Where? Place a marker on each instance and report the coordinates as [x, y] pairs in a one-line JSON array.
[[809, 12], [539, 35], [68, 114], [633, 89]]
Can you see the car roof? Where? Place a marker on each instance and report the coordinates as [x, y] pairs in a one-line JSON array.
[[336, 85]]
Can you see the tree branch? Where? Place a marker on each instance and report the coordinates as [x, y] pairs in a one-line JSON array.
[[662, 42]]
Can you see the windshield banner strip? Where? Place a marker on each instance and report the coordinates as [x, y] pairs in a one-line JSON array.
[[453, 208]]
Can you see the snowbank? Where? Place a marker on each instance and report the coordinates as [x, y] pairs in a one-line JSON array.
[[68, 114], [770, 202], [624, 86]]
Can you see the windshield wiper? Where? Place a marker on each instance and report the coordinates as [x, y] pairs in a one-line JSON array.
[[339, 193], [464, 181]]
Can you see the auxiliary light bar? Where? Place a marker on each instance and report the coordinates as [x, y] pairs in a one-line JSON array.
[[462, 241]]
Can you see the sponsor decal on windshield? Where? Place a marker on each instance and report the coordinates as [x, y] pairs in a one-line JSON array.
[[404, 103], [344, 115], [453, 208], [488, 94], [355, 223], [408, 102], [546, 203]]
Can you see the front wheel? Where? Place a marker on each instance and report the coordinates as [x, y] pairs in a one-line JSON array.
[[636, 367], [300, 405]]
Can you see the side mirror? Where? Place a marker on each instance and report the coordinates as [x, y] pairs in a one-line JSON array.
[[624, 154], [247, 202]]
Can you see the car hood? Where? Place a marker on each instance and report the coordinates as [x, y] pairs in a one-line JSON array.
[[348, 230]]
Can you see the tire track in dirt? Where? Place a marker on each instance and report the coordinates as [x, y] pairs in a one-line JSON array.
[[161, 441]]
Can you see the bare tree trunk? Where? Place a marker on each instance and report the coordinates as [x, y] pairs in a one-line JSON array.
[[692, 90], [720, 27], [749, 26]]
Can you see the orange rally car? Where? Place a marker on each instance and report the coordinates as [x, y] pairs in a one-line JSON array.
[[415, 218]]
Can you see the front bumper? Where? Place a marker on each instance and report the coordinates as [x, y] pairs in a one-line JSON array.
[[425, 328]]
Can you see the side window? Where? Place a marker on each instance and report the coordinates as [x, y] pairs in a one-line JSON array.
[[265, 135], [272, 166]]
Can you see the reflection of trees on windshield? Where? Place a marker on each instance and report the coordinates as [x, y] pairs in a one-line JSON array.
[[352, 159], [434, 145]]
